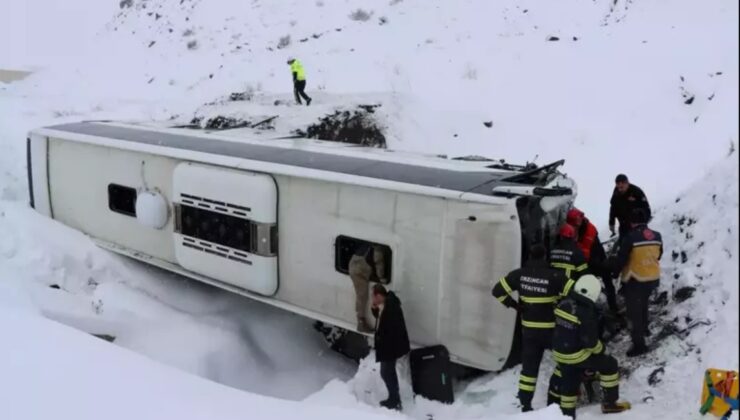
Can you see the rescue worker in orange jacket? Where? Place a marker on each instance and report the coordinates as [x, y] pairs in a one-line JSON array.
[[638, 261], [587, 238]]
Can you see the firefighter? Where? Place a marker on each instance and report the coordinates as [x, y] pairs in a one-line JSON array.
[[366, 266], [638, 261], [625, 198], [566, 255], [589, 243], [577, 348], [539, 287], [299, 81]]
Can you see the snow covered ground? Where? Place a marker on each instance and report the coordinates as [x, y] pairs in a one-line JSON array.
[[612, 94]]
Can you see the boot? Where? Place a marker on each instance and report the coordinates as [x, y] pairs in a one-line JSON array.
[[308, 101], [615, 407], [363, 326], [526, 408], [391, 405], [637, 351]]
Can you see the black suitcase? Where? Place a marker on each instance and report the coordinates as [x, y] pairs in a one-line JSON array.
[[430, 373]]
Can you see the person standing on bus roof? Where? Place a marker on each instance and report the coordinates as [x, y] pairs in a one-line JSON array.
[[366, 266], [539, 288], [391, 341], [299, 81]]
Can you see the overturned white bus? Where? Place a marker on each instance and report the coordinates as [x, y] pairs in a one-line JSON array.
[[277, 220]]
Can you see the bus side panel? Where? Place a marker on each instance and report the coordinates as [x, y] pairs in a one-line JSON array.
[[79, 176], [313, 214], [419, 221], [482, 244]]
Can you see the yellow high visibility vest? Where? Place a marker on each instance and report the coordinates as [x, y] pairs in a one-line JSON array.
[[297, 68]]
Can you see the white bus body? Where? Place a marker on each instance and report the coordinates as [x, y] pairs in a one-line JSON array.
[[275, 220]]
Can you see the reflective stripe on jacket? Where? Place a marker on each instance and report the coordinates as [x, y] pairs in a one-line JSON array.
[[639, 255], [576, 335], [539, 288], [568, 257]]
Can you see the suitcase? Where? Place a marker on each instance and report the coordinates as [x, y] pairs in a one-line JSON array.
[[431, 373]]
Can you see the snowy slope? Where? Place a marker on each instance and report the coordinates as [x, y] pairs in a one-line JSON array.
[[91, 379], [612, 94], [216, 335], [608, 94]]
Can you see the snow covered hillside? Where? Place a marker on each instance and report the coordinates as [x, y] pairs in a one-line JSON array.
[[645, 88], [613, 92]]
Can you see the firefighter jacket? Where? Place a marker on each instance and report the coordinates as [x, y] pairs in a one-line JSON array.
[[539, 288], [639, 255], [576, 335], [568, 257]]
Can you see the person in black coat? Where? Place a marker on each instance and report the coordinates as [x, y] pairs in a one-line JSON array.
[[625, 198], [391, 340]]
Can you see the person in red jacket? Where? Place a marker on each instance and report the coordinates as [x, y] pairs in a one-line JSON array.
[[587, 238]]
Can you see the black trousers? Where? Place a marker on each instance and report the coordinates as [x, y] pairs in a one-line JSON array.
[[609, 290], [624, 228], [388, 374], [298, 90], [608, 370], [637, 295], [534, 343]]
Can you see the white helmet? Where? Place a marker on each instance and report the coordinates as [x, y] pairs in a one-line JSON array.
[[588, 286]]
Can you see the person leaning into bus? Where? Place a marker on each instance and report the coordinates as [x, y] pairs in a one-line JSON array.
[[366, 266]]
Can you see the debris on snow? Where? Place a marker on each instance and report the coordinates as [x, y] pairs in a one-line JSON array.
[[360, 15], [283, 42], [683, 293], [356, 127], [656, 376]]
